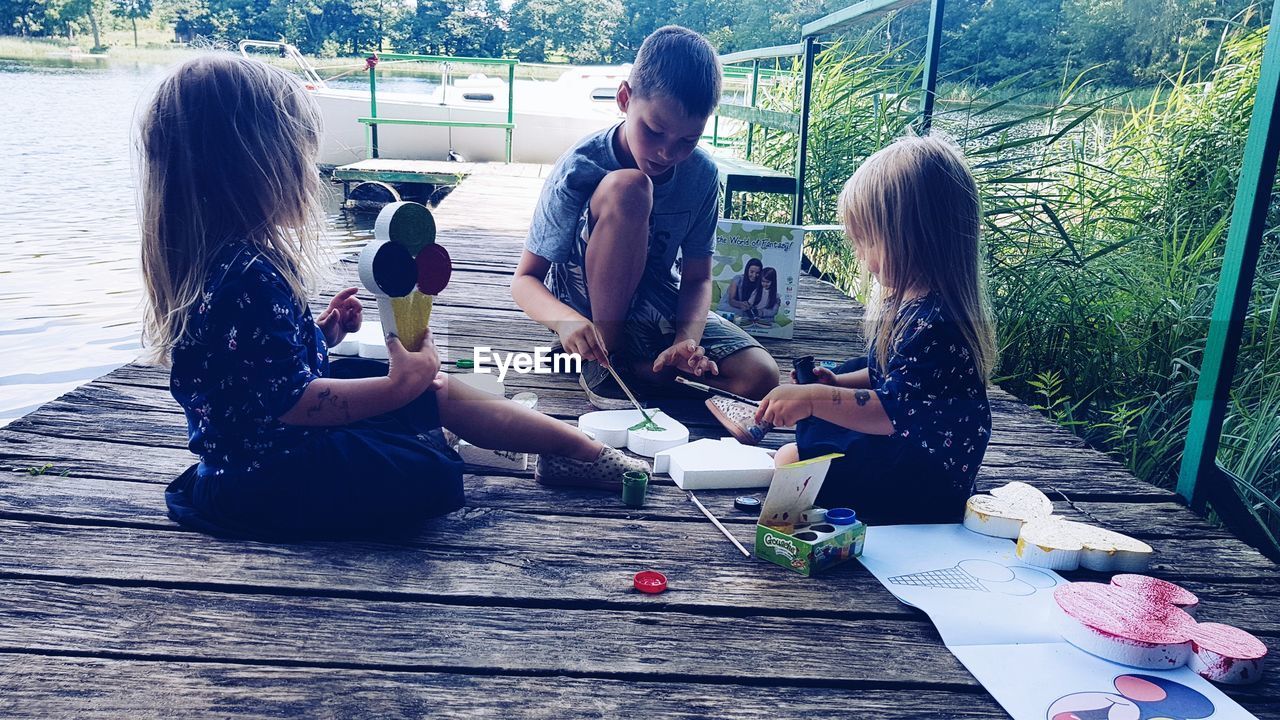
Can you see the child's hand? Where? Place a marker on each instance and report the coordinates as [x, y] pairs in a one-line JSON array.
[[343, 316], [413, 372], [821, 376], [688, 356], [786, 405], [582, 337]]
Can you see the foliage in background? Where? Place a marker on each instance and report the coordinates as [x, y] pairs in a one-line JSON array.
[[1104, 231], [1128, 43]]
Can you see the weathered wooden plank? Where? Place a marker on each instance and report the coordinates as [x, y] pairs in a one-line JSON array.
[[42, 686], [422, 636]]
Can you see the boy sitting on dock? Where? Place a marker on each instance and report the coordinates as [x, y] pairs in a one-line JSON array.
[[616, 214]]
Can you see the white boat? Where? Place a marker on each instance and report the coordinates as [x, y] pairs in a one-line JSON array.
[[550, 116]]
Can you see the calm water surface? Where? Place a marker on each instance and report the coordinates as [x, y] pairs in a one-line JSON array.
[[70, 284]]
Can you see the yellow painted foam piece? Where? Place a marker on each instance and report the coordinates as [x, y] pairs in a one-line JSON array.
[[412, 313]]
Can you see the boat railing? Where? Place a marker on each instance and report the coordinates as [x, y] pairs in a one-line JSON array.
[[373, 120], [288, 52]]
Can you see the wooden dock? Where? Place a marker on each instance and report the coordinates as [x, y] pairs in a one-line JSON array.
[[519, 605]]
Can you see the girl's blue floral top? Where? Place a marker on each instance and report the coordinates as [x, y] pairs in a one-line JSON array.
[[933, 393], [248, 355]]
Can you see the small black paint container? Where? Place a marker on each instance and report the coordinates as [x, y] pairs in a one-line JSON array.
[[804, 370]]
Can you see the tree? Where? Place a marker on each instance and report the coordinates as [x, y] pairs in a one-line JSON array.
[[132, 9]]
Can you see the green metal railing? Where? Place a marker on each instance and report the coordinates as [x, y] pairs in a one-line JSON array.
[[373, 120], [807, 50], [1202, 480]]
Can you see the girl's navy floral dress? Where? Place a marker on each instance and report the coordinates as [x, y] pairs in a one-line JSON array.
[[937, 401], [249, 353]]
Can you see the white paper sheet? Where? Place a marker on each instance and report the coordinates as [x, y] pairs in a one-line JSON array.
[[998, 617]]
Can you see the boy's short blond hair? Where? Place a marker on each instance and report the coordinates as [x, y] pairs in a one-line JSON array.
[[680, 64]]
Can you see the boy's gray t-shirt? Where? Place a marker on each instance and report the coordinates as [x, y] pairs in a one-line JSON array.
[[683, 220]]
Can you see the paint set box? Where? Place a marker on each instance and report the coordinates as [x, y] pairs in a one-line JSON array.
[[783, 534], [810, 549]]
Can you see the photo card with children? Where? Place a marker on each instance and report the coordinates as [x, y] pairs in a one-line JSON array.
[[756, 274]]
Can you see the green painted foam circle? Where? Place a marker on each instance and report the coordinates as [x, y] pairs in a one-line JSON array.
[[411, 225]]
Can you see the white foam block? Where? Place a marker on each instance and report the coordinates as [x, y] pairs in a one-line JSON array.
[[613, 428], [371, 342], [487, 382], [350, 346], [715, 464]]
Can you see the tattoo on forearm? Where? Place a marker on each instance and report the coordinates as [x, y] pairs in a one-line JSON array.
[[326, 400], [835, 397], [862, 396]]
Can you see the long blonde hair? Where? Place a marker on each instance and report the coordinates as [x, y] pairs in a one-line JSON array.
[[914, 205], [228, 148]]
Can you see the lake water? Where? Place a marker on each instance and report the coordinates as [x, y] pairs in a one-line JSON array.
[[70, 284]]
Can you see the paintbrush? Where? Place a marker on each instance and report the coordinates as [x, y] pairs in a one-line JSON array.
[[716, 391], [716, 522], [649, 423]]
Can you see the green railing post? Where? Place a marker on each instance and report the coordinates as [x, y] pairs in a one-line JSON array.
[[1239, 264], [373, 106], [931, 54], [511, 106], [755, 83], [810, 51]]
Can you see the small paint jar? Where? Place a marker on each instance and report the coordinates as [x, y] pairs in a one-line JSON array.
[[841, 516], [804, 370], [634, 485]]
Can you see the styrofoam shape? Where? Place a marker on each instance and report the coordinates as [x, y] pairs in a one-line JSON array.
[[527, 399], [1157, 590], [487, 382], [1151, 656], [613, 428], [1003, 512], [504, 459], [1124, 626], [350, 346], [1226, 654], [364, 266], [386, 316], [1049, 543], [1110, 551], [708, 464], [371, 342]]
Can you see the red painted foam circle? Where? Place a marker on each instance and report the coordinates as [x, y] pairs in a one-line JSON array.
[[1124, 614], [650, 581], [1229, 641], [434, 269]]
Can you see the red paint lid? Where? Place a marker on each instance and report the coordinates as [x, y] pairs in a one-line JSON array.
[[650, 581]]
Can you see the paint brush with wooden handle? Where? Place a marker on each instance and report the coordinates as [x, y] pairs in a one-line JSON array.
[[649, 423]]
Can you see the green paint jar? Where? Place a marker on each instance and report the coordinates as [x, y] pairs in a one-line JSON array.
[[634, 485]]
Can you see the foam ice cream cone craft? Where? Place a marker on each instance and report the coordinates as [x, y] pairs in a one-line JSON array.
[[405, 269]]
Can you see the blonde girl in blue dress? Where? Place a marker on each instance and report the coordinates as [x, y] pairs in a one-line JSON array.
[[911, 417], [289, 444]]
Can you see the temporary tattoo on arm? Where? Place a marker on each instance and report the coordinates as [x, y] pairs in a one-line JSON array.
[[862, 396], [326, 400], [835, 397]]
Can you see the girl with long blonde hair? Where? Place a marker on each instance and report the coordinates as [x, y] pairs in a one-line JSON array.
[[911, 417], [290, 445]]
